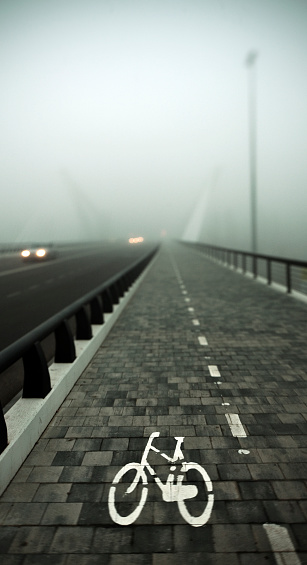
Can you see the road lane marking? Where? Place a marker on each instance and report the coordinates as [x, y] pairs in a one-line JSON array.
[[195, 322], [13, 294], [188, 299], [281, 544], [235, 425], [213, 370], [202, 340], [191, 309]]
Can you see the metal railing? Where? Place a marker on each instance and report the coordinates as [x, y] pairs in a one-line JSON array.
[[87, 310], [290, 273]]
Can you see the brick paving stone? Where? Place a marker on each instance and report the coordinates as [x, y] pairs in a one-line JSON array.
[[45, 560], [61, 513], [151, 374], [72, 539]]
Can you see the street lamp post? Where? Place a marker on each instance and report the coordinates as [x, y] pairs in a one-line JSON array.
[[252, 111]]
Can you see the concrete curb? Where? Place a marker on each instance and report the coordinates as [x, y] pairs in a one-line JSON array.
[[27, 419]]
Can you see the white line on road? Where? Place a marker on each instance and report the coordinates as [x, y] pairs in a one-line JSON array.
[[191, 309], [202, 340], [195, 322], [281, 544], [213, 370], [235, 425], [188, 299]]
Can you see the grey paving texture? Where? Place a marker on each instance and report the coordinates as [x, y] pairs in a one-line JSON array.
[[152, 375]]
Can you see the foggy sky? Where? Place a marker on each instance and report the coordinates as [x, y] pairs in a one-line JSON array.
[[126, 117]]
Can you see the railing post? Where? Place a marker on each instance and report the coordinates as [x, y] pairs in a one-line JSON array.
[[36, 374], [269, 271], [84, 330], [288, 274], [255, 266], [3, 431], [244, 263], [64, 344]]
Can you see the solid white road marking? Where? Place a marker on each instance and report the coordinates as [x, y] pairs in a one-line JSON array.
[[281, 544], [235, 425], [195, 322], [202, 340], [214, 372]]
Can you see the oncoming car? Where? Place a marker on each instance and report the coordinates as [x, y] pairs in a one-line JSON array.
[[136, 239], [37, 254]]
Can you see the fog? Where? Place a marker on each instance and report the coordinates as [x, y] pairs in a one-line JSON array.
[[129, 117]]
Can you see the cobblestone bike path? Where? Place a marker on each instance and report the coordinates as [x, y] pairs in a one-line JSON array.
[[200, 353]]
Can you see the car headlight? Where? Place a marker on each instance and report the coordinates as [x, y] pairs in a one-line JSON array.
[[25, 253], [40, 253]]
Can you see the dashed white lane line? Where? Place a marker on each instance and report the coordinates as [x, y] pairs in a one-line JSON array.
[[202, 340], [281, 544], [213, 370], [233, 420], [13, 294], [235, 425]]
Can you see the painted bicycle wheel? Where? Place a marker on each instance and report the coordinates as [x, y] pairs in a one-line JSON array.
[[187, 507], [128, 494]]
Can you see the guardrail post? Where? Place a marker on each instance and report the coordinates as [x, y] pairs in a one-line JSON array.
[[96, 311], [243, 263], [64, 344], [114, 293], [3, 431], [36, 374], [84, 330], [107, 304]]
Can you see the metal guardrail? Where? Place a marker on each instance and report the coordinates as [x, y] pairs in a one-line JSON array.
[[290, 273], [36, 373]]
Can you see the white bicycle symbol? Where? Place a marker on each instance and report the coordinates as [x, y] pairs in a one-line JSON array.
[[171, 491]]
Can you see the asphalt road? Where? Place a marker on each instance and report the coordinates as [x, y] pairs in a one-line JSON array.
[[30, 293]]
